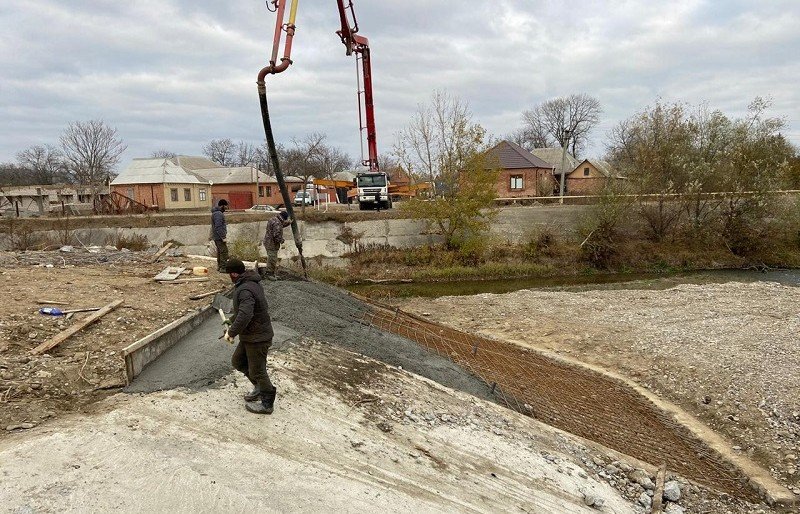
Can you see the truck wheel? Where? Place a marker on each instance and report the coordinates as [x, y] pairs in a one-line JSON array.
[[361, 206]]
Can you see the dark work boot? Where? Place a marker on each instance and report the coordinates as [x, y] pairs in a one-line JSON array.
[[265, 406], [253, 395]]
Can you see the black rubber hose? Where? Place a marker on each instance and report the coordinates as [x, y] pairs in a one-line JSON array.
[[273, 155]]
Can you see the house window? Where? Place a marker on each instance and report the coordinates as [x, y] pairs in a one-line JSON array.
[[187, 195], [173, 194], [202, 195], [585, 172], [269, 190], [516, 182], [130, 193], [261, 191]]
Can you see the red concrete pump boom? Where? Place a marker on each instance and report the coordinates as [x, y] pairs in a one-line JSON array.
[[353, 42]]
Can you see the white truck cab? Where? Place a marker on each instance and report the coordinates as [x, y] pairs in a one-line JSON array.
[[373, 190]]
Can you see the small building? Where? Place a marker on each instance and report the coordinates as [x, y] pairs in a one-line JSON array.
[[590, 177], [163, 184], [46, 199], [554, 157], [522, 174], [245, 186]]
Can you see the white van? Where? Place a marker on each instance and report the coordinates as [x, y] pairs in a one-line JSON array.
[[303, 198]]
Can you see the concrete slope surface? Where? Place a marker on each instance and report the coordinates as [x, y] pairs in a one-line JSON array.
[[349, 435]]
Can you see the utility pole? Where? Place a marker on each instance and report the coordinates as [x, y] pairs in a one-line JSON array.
[[563, 166]]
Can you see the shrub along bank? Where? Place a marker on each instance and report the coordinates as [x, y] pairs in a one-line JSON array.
[[613, 238]]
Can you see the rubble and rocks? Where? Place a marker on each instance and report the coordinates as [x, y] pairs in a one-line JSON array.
[[672, 491]]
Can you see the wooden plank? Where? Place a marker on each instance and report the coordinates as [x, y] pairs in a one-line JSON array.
[[48, 302], [169, 273], [184, 280], [74, 329], [248, 264], [73, 311], [658, 502], [206, 295], [161, 252]]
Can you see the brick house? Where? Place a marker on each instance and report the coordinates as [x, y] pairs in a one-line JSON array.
[[554, 157], [245, 186], [590, 177], [164, 184], [522, 174]]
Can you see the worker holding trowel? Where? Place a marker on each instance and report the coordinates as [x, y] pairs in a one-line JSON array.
[[251, 323]]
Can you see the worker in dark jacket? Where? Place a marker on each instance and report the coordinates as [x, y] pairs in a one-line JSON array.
[[251, 323], [219, 233], [273, 239]]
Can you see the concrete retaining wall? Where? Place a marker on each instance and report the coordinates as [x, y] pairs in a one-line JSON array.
[[324, 239], [146, 350]]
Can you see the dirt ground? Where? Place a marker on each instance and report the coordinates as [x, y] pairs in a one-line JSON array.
[[89, 365], [349, 434], [726, 353]]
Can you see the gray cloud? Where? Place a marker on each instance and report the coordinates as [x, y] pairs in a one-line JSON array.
[[176, 73]]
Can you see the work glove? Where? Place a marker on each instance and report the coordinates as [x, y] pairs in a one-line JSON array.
[[228, 338]]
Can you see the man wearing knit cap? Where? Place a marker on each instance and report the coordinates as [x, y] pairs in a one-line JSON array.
[[251, 323], [219, 233]]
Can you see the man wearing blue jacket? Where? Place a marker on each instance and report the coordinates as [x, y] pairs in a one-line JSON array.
[[219, 233]]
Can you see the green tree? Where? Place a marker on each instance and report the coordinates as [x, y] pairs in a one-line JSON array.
[[678, 159], [443, 144]]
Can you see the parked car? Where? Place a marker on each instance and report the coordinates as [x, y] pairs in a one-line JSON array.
[[303, 197], [261, 208]]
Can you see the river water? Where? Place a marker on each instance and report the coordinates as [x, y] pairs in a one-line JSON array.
[[584, 282]]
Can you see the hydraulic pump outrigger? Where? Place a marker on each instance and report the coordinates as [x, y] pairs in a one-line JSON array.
[[354, 43]]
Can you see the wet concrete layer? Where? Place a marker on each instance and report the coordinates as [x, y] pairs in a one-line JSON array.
[[325, 313], [301, 310], [197, 360]]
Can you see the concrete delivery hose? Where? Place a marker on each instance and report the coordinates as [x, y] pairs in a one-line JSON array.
[[273, 155]]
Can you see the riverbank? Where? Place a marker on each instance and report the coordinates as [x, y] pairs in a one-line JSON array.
[[384, 272], [724, 352]]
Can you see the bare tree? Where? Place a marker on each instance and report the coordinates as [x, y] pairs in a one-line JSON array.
[[564, 120], [45, 162], [12, 175], [163, 154], [91, 151], [247, 154], [440, 139], [302, 160], [531, 138], [443, 144], [332, 160], [221, 151]]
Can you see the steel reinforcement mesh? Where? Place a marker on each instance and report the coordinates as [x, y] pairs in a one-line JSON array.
[[573, 399]]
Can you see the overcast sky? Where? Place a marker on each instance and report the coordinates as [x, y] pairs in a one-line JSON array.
[[174, 74]]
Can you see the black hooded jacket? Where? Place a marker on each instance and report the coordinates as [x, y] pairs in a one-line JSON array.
[[219, 229], [250, 320]]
